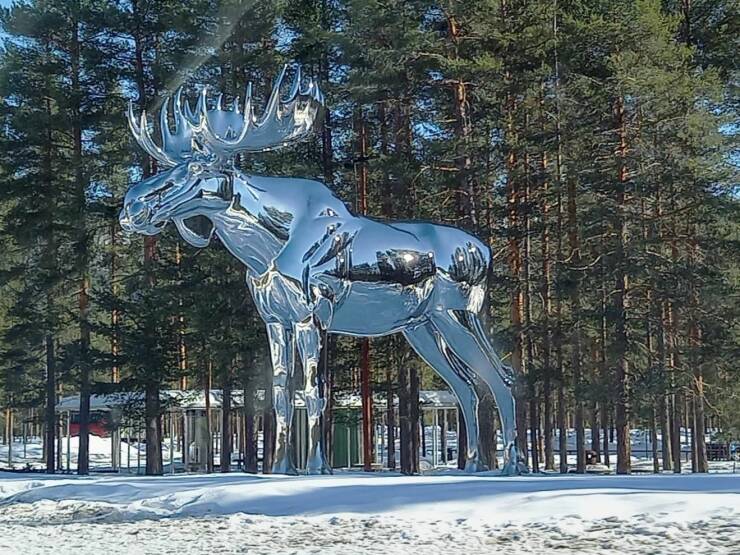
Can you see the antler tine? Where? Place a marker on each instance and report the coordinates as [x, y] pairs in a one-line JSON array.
[[164, 126], [219, 131], [188, 114], [274, 101], [284, 120], [202, 106], [248, 111], [132, 124], [140, 131], [317, 95], [150, 146], [294, 89], [180, 118], [211, 141]]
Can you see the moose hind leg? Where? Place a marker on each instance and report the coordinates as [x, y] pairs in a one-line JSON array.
[[282, 349], [466, 338], [309, 348], [427, 343]]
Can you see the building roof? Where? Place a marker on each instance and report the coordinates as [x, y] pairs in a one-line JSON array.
[[194, 399]]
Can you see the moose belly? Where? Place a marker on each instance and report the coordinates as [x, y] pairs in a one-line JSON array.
[[374, 309]]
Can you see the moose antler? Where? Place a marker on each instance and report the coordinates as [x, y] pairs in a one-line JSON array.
[[225, 132]]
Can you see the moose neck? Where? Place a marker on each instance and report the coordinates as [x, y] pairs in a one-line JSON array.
[[256, 224]]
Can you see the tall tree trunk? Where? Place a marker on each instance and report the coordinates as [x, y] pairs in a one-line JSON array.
[[328, 341], [404, 420], [665, 432], [605, 431], [208, 379], [152, 405], [327, 143], [182, 348], [695, 340], [50, 265], [414, 417], [114, 316], [326, 387], [443, 437], [664, 398], [654, 441], [621, 304], [513, 201], [466, 190], [700, 423], [83, 457], [526, 288], [367, 406], [574, 257], [250, 432], [153, 429], [386, 208], [327, 152], [673, 403], [517, 301], [467, 208], [562, 409], [50, 414], [152, 408], [403, 188], [390, 412], [562, 428], [226, 436], [603, 365], [361, 169], [595, 439], [546, 316]]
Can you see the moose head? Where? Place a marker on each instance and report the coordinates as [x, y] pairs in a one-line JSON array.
[[199, 153]]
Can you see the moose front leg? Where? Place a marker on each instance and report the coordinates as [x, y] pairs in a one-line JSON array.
[[282, 349], [309, 347]]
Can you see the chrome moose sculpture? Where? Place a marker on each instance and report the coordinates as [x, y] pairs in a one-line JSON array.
[[312, 265]]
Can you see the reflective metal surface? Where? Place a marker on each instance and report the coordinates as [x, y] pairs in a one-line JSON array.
[[312, 264]]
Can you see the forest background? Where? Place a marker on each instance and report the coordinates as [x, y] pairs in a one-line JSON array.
[[592, 144]]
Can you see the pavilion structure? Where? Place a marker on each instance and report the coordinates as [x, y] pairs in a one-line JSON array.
[[192, 430]]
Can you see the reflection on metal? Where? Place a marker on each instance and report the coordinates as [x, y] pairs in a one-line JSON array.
[[312, 264]]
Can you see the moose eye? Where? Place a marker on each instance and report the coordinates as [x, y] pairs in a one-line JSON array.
[[195, 168]]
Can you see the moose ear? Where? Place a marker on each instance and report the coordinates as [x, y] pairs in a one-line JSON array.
[[196, 230]]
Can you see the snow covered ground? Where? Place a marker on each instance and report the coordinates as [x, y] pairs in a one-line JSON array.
[[442, 511], [133, 455], [381, 513]]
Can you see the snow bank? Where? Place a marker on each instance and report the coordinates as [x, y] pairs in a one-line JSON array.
[[369, 514], [485, 498]]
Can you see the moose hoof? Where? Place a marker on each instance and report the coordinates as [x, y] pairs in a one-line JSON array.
[[475, 465], [284, 466], [317, 465], [323, 469], [512, 468], [515, 464]]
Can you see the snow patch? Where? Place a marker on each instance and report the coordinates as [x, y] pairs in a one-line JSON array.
[[371, 513]]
